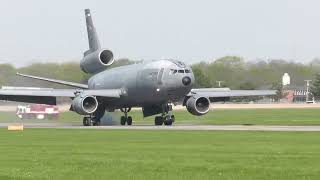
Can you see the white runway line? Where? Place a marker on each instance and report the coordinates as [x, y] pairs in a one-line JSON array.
[[176, 127], [209, 128]]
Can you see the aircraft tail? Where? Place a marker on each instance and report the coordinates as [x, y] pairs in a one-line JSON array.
[[93, 39]]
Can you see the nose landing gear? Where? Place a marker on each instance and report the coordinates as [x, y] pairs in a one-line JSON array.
[[125, 119], [167, 118]]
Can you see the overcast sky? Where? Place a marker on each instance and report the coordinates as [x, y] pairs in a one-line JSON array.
[[38, 30]]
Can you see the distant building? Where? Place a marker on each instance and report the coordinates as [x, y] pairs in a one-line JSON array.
[[294, 94]]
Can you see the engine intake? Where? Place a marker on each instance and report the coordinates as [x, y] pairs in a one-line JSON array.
[[84, 105], [198, 106], [97, 61]]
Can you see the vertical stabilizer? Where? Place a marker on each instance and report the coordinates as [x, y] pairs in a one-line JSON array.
[[93, 39], [95, 59]]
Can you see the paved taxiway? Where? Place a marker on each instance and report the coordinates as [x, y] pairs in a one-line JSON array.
[[175, 127]]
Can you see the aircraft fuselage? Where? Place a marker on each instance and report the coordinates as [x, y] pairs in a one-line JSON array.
[[155, 82]]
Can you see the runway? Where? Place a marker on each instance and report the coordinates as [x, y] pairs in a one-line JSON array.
[[174, 127]]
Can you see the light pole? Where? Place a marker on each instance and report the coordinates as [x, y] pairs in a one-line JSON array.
[[308, 84], [219, 83]]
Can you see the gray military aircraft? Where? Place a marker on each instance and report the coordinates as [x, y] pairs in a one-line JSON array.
[[153, 85]]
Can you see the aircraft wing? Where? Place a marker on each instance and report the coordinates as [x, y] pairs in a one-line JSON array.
[[48, 96], [67, 83], [226, 92]]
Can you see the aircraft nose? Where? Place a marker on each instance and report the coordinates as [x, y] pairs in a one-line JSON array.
[[186, 80]]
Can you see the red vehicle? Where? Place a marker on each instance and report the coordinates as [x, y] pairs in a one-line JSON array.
[[37, 111]]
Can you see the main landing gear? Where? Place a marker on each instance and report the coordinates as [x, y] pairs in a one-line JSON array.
[[166, 118], [94, 119], [91, 121], [126, 119]]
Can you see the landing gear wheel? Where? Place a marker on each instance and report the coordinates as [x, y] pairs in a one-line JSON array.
[[126, 118], [158, 121], [129, 120], [123, 120], [96, 123], [168, 122], [84, 122], [87, 121]]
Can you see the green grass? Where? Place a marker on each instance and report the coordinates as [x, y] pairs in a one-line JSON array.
[[221, 117], [246, 116], [133, 154]]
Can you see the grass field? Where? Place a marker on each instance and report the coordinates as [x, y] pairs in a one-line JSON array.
[[128, 154], [221, 116]]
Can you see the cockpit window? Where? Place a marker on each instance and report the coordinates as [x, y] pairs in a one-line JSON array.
[[173, 71]]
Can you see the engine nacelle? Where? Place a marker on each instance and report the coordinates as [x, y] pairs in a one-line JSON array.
[[97, 61], [198, 106], [84, 105]]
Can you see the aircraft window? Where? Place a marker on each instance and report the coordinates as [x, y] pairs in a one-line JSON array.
[[181, 71], [173, 71], [187, 71]]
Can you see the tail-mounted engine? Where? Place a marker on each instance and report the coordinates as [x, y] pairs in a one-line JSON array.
[[197, 106], [97, 61], [84, 105]]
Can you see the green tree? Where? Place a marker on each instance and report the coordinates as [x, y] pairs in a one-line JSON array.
[[247, 86], [279, 90], [201, 79], [315, 87], [7, 73]]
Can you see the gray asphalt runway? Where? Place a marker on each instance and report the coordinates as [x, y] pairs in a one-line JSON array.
[[174, 127]]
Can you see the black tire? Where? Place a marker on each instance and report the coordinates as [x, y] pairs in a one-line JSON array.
[[96, 123], [123, 120], [158, 121], [86, 121], [168, 123], [173, 118], [129, 121]]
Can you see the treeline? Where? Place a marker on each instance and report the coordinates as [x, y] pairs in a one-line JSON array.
[[234, 72], [239, 74]]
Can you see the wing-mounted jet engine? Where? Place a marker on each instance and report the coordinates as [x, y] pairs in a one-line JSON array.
[[197, 105], [95, 59], [84, 104]]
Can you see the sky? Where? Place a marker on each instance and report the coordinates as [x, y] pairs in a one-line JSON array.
[[189, 30]]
